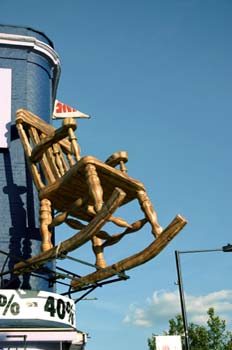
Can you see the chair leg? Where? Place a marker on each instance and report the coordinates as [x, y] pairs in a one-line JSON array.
[[96, 193], [45, 221], [98, 251], [94, 185], [150, 213]]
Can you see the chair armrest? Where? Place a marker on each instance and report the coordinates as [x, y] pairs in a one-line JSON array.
[[118, 158], [54, 137]]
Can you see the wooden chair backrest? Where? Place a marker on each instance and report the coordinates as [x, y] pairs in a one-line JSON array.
[[56, 159]]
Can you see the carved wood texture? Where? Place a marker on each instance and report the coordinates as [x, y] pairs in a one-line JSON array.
[[85, 192]]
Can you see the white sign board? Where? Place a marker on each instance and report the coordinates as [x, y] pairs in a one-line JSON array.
[[36, 308], [168, 342], [61, 110], [5, 105]]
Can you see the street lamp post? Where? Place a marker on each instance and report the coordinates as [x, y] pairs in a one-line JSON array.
[[182, 299], [227, 248]]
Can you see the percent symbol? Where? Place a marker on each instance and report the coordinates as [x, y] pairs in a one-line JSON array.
[[9, 305], [69, 309]]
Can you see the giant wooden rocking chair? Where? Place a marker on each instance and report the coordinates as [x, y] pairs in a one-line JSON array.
[[84, 192]]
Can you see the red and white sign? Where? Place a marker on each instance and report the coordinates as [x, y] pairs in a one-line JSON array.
[[168, 342], [61, 110]]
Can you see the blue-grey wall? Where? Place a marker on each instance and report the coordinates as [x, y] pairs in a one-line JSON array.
[[35, 74]]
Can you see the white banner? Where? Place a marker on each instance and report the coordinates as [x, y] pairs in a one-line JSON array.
[[168, 342], [5, 106], [61, 110], [36, 308]]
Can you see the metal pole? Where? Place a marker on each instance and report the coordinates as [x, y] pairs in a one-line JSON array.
[[226, 248], [182, 300]]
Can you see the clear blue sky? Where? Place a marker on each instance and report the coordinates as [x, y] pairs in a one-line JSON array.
[[156, 76]]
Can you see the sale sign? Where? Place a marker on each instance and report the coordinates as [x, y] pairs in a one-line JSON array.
[[40, 307]]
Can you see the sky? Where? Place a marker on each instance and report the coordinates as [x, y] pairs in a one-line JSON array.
[[156, 77]]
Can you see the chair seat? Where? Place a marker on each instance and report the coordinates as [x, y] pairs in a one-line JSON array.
[[72, 186]]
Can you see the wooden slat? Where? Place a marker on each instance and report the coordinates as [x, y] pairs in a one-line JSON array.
[[51, 159], [70, 159], [44, 161], [57, 159]]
